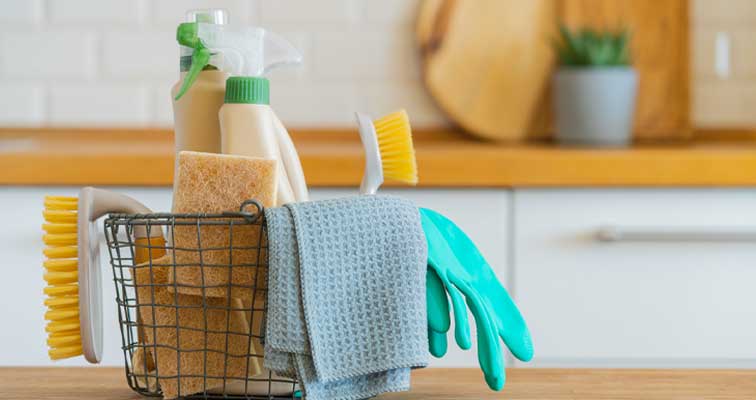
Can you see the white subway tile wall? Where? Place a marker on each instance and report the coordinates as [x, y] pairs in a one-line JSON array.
[[60, 54], [101, 11], [21, 12], [727, 99], [98, 104], [21, 104], [111, 63]]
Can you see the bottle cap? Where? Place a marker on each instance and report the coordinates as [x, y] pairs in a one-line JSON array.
[[216, 16], [247, 90]]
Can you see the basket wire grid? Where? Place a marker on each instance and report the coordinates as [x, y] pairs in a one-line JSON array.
[[143, 373]]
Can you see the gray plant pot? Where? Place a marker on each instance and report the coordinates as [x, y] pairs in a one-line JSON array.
[[595, 106]]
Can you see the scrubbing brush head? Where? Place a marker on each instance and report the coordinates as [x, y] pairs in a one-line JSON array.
[[389, 151], [73, 269], [394, 135]]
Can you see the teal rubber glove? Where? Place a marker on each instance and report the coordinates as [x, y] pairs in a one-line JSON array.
[[438, 314], [463, 271]]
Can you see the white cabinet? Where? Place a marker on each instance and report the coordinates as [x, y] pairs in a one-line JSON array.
[[648, 303]]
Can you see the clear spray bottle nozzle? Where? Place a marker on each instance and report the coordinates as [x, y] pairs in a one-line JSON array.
[[241, 51]]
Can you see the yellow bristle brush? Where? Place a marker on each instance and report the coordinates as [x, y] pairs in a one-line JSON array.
[[389, 151], [72, 268]]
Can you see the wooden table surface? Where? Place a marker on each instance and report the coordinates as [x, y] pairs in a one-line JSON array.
[[438, 384]]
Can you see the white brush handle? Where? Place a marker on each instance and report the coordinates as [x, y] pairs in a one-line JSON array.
[[93, 204], [372, 178]]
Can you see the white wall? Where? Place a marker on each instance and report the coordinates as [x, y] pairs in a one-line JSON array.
[[112, 62]]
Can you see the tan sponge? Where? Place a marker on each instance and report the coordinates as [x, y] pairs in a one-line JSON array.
[[207, 338], [214, 183]]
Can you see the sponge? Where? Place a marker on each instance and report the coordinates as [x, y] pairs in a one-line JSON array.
[[214, 183], [208, 337]]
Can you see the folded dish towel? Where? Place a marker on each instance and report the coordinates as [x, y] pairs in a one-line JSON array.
[[346, 298]]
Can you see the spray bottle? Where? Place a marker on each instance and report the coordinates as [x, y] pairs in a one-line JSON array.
[[248, 125], [195, 111]]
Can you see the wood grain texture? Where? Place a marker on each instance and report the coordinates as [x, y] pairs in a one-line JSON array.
[[489, 63], [659, 46], [335, 158], [436, 384]]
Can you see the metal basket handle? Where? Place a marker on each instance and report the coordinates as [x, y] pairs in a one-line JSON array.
[[249, 216]]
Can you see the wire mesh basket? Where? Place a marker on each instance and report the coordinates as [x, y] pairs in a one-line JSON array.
[[192, 307]]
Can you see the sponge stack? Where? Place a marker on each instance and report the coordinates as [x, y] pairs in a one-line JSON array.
[[216, 183]]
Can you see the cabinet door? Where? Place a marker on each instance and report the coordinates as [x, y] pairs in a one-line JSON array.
[[680, 294], [22, 339], [484, 215]]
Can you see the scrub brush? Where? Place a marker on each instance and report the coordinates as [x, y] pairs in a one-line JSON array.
[[74, 291], [388, 150]]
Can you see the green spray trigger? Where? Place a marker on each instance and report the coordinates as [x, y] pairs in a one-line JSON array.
[[238, 51], [186, 35]]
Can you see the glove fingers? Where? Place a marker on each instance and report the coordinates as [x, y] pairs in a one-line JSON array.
[[490, 356], [439, 256], [518, 341], [437, 344], [437, 302], [461, 323], [511, 326]]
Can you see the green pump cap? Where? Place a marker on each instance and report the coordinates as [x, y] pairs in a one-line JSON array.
[[248, 90]]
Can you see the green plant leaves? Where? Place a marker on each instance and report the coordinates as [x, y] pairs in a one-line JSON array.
[[588, 47]]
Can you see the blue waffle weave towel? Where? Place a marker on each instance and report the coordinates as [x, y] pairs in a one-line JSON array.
[[346, 295]]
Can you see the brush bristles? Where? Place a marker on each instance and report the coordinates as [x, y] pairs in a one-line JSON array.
[[63, 327], [395, 144], [62, 265], [62, 302], [60, 353], [62, 277]]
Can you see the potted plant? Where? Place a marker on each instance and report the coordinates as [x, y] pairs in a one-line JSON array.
[[594, 88]]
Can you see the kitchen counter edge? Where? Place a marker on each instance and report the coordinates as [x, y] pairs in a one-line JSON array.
[[333, 158]]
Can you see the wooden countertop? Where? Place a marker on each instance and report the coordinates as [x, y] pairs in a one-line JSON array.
[[436, 384], [334, 158]]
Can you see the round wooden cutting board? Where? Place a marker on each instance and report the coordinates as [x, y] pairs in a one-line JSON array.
[[488, 62]]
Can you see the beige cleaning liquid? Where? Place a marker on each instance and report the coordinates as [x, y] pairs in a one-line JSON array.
[[195, 114]]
